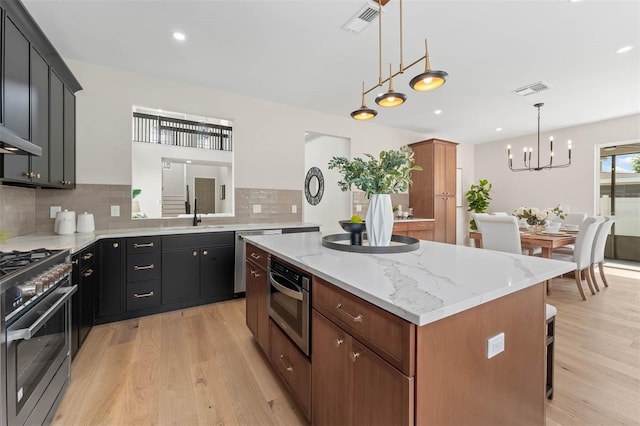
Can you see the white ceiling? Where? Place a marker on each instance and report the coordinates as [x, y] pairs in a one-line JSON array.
[[294, 52]]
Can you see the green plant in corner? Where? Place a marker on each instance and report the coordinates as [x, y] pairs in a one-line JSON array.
[[390, 173], [478, 197]]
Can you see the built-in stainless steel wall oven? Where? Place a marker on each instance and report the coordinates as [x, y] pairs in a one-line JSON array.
[[290, 302], [36, 334]]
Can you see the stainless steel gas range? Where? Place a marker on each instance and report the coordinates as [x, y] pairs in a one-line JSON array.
[[35, 324]]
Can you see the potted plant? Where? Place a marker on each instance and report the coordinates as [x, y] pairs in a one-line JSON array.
[[378, 178], [4, 236], [478, 197]]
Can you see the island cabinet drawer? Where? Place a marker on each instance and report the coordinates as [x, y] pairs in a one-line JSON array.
[[143, 245], [256, 255], [292, 366], [141, 267], [144, 294], [389, 336], [400, 228], [420, 225]]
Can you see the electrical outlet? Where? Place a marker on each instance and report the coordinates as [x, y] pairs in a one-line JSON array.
[[115, 211], [294, 208], [257, 208], [53, 210], [358, 207], [495, 345]]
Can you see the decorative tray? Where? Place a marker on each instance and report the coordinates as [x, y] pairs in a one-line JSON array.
[[399, 244]]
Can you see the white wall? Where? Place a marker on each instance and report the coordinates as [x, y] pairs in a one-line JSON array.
[[573, 187], [335, 204], [269, 137]]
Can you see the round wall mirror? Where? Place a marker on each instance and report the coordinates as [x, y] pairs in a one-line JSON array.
[[314, 186]]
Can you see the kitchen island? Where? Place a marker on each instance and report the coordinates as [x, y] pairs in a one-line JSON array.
[[415, 328]]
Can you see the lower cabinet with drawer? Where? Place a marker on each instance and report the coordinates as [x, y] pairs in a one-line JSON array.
[[420, 229], [143, 273], [293, 367], [83, 302], [143, 294], [362, 361]]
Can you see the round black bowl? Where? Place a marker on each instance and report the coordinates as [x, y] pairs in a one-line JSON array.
[[355, 229]]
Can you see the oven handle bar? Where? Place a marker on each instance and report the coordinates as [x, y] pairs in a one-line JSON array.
[[29, 332], [287, 291]]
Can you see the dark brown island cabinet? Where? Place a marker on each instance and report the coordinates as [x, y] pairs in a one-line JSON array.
[[369, 366]]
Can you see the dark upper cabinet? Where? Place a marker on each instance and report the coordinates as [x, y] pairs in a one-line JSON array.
[[16, 80], [37, 102], [69, 137], [56, 131], [39, 170]]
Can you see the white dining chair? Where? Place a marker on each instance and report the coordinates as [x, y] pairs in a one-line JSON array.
[[500, 233], [582, 252], [572, 219], [500, 214], [597, 254]]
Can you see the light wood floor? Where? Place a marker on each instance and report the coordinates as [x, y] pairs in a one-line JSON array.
[[200, 366]]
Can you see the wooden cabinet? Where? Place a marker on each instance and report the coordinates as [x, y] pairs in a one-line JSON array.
[[62, 160], [197, 267], [433, 192], [293, 367], [256, 295], [420, 229], [143, 273], [16, 79], [83, 302], [352, 385], [111, 267], [39, 166]]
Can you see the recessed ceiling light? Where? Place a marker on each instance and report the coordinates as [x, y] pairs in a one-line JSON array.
[[624, 49], [437, 112], [498, 129], [179, 36]]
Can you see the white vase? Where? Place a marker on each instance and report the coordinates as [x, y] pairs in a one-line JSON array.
[[379, 220]]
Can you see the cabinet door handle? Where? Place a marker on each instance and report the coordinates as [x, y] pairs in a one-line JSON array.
[[142, 268], [284, 364], [204, 253], [88, 273], [87, 256], [195, 253], [357, 318], [75, 261], [339, 342], [256, 256], [143, 295], [116, 245], [355, 356], [136, 245]]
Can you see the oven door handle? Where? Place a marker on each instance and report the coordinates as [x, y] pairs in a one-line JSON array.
[[29, 332], [284, 289]]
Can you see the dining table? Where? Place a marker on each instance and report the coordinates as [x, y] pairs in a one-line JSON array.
[[546, 240]]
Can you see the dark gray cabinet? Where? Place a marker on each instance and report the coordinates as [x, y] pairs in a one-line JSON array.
[[84, 275], [37, 102], [111, 267], [143, 273], [16, 80], [197, 267]]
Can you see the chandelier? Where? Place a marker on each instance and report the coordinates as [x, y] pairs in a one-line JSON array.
[[528, 166], [423, 82]]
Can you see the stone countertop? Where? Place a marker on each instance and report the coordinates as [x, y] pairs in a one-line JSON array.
[[423, 286], [76, 242]]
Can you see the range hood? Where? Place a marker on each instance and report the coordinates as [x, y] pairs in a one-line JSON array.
[[10, 143]]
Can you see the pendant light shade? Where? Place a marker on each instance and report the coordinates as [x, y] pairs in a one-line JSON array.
[[391, 98], [429, 79], [363, 113]]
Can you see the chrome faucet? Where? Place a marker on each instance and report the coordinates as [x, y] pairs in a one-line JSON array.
[[196, 219]]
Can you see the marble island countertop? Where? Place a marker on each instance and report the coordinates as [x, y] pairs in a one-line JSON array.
[[423, 286], [77, 241]]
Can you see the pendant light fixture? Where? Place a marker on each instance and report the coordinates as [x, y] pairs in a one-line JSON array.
[[429, 79], [391, 98], [423, 82], [363, 113], [527, 153]]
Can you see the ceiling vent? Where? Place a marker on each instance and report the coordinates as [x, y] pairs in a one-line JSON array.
[[362, 19], [533, 88]]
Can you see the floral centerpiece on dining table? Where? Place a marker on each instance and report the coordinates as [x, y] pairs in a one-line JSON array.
[[538, 217]]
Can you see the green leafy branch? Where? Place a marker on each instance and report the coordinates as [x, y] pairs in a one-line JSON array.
[[390, 173], [478, 197]]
